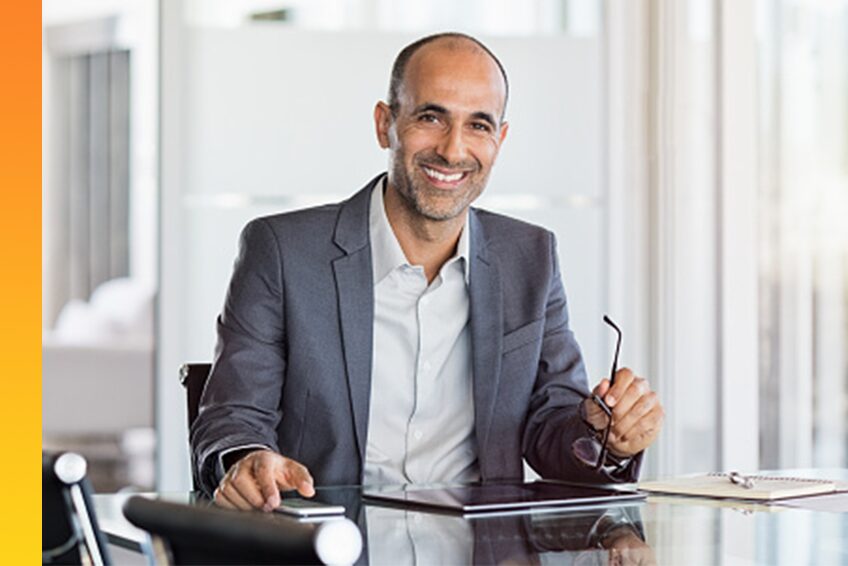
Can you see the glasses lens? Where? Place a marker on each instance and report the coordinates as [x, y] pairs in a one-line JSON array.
[[588, 449]]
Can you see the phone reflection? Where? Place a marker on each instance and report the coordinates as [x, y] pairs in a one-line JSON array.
[[581, 537]]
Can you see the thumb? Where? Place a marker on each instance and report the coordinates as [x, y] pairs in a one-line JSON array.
[[601, 388]]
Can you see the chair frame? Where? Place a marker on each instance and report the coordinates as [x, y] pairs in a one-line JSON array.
[[193, 378]]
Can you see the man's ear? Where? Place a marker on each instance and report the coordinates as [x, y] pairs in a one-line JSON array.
[[504, 129], [501, 137], [382, 123]]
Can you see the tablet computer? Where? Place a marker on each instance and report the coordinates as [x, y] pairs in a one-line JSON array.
[[489, 497]]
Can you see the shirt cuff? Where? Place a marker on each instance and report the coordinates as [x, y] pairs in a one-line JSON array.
[[614, 464]]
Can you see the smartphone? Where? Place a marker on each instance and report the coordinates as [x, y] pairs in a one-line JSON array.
[[308, 508]]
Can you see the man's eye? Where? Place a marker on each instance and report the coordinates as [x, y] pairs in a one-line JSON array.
[[482, 127], [427, 118]]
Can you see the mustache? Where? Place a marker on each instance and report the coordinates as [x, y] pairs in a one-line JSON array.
[[437, 160]]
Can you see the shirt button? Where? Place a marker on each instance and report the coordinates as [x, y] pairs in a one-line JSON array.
[[417, 435], [425, 367]]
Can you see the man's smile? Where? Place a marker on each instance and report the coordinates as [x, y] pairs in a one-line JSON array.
[[444, 179]]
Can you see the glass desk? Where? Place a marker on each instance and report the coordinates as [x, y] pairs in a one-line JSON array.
[[661, 530]]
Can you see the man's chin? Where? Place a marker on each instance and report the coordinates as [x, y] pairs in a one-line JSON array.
[[436, 204], [439, 214]]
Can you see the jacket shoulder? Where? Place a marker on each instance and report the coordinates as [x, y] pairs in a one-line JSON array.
[[302, 220], [504, 232]]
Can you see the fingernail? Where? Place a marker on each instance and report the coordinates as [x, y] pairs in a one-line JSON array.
[[610, 400]]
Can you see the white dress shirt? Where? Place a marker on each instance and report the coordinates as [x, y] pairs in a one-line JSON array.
[[431, 538], [421, 422]]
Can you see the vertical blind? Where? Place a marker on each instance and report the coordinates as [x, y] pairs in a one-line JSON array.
[[90, 190]]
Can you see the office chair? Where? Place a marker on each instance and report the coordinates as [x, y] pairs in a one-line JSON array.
[[193, 378], [205, 534], [69, 530]]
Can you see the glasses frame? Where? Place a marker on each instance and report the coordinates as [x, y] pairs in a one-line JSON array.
[[601, 403]]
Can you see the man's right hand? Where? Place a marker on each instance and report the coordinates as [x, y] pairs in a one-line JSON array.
[[255, 481]]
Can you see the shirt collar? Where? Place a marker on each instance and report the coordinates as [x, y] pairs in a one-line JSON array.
[[386, 253]]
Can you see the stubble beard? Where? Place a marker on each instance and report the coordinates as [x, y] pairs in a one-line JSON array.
[[423, 199]]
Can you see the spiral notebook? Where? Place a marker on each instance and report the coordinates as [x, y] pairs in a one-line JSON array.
[[719, 485]]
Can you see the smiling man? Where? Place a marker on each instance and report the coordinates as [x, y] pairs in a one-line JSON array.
[[402, 336]]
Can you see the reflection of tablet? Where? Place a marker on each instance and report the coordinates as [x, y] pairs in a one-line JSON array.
[[505, 496]]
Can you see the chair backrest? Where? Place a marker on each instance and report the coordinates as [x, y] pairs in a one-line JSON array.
[[69, 529], [193, 377], [205, 534]]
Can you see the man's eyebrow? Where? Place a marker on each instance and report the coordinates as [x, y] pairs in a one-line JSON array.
[[431, 107], [486, 117], [439, 109]]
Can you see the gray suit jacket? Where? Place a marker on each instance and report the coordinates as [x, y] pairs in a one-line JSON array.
[[292, 367]]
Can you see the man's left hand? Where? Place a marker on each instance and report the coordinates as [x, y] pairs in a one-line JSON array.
[[637, 414]]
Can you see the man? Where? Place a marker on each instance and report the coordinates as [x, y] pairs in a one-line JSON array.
[[401, 336]]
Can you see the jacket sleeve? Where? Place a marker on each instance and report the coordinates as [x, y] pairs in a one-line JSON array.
[[240, 405], [553, 419]]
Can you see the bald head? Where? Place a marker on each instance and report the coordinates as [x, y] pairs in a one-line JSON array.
[[450, 41]]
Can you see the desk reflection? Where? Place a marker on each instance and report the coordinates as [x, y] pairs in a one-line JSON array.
[[584, 537], [682, 531]]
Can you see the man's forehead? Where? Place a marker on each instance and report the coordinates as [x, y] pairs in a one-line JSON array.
[[453, 64]]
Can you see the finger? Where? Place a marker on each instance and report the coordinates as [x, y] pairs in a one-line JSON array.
[[638, 552], [596, 416], [244, 483], [298, 477], [635, 391], [641, 436], [221, 500], [229, 492], [652, 423], [263, 473], [636, 412], [623, 378], [601, 388]]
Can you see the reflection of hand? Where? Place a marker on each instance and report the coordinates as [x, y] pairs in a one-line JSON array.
[[626, 547], [255, 481], [637, 414]]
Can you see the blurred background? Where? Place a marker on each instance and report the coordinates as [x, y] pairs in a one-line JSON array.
[[691, 156]]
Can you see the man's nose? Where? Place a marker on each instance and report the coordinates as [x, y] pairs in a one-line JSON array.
[[453, 146]]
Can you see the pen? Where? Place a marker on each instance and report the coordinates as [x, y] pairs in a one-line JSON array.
[[740, 480]]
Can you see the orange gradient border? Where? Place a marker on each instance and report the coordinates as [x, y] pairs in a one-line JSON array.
[[20, 296]]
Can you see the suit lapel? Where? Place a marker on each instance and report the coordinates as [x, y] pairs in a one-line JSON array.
[[355, 292], [486, 305]]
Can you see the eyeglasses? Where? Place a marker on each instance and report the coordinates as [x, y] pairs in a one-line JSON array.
[[591, 450]]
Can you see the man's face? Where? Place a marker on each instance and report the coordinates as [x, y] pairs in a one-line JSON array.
[[448, 130]]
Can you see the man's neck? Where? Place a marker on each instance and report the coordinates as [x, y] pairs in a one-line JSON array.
[[425, 242]]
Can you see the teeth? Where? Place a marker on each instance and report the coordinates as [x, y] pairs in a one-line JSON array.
[[442, 177]]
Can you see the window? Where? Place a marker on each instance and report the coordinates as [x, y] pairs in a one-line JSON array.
[[803, 237]]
